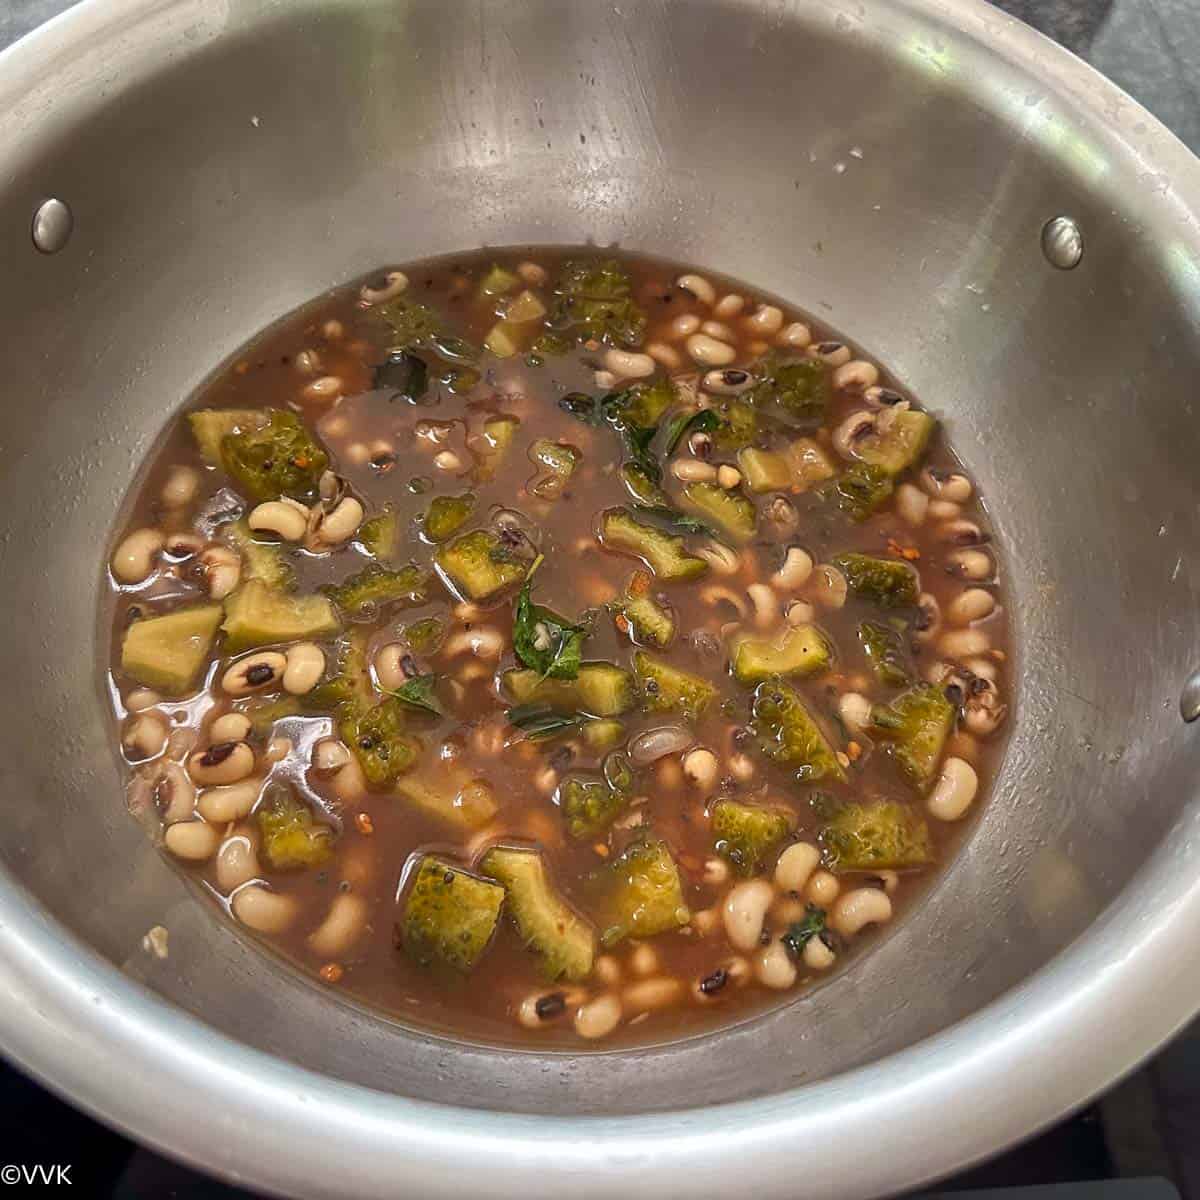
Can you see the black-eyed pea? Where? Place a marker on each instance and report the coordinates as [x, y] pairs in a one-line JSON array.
[[343, 925], [393, 284], [852, 430], [232, 802], [542, 1009], [305, 664], [855, 910], [732, 381], [961, 532], [855, 375], [340, 523], [795, 866], [823, 888], [599, 1017], [237, 862], [744, 910], [773, 966], [193, 841], [955, 487], [286, 518], [230, 727], [971, 605], [258, 672], [133, 559], [260, 909], [721, 558], [954, 790], [145, 736], [222, 762], [833, 354], [795, 571]]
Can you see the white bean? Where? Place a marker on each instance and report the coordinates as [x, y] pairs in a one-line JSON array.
[[857, 375], [955, 487], [954, 791], [342, 523], [944, 510], [643, 960], [823, 888], [859, 908], [484, 642], [289, 521], [329, 754], [741, 767], [598, 1017], [692, 470], [744, 910], [180, 487], [323, 388], [709, 352], [829, 587], [795, 866], [683, 326], [237, 863], [394, 282], [970, 564], [254, 673], [716, 872], [797, 567], [342, 926], [133, 559], [715, 329], [666, 355], [140, 699], [699, 287], [532, 274], [308, 362], [912, 504], [799, 612], [728, 477], [305, 666], [765, 321], [700, 769], [766, 605], [231, 727], [963, 643], [722, 559], [222, 571], [650, 994], [278, 748], [972, 605], [817, 956], [855, 711], [729, 306], [797, 335], [774, 967], [260, 909], [625, 364], [233, 802], [224, 762], [176, 794], [192, 840], [145, 736]]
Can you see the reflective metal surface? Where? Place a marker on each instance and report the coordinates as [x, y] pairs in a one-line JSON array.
[[890, 165]]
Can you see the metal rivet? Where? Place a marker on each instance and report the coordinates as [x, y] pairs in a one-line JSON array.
[[52, 224], [1189, 698], [1062, 243]]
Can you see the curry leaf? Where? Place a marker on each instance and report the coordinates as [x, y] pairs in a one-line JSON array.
[[543, 640], [421, 692], [540, 721], [704, 421]]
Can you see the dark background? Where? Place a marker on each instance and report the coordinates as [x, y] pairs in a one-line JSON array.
[[1149, 1126]]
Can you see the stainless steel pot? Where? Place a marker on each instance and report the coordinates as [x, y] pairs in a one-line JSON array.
[[890, 163]]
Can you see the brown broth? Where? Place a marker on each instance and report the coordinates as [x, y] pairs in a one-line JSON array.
[[375, 443]]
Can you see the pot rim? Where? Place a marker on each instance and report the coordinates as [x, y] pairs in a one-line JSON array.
[[136, 1062]]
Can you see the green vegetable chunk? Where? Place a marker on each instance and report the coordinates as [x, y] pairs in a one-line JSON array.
[[169, 652], [263, 714], [765, 470], [280, 459], [664, 553], [257, 615], [727, 507], [603, 735], [380, 740], [260, 560], [380, 536], [593, 301], [498, 282], [492, 446], [600, 689], [563, 941], [450, 793], [350, 685], [291, 839], [411, 324], [450, 915], [589, 806], [884, 646], [746, 834], [641, 405], [738, 426], [862, 489], [883, 581], [506, 338], [642, 486], [424, 636], [375, 587], [641, 893], [788, 733], [917, 724], [447, 515], [559, 460], [210, 426], [648, 622], [478, 566], [667, 689], [898, 440], [873, 835], [799, 387], [801, 650]]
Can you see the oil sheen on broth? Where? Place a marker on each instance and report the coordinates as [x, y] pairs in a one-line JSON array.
[[557, 646]]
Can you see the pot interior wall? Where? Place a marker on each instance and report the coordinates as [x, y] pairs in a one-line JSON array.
[[890, 179]]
